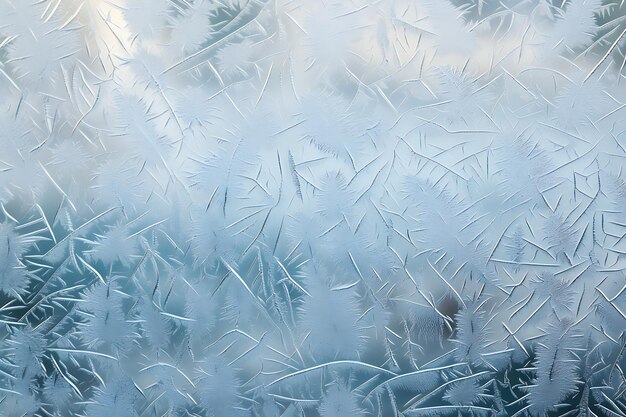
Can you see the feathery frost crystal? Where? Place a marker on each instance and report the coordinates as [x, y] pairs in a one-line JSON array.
[[302, 208]]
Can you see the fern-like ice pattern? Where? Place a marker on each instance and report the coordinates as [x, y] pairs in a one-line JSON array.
[[301, 208]]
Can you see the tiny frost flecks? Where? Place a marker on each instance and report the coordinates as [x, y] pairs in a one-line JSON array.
[[301, 208]]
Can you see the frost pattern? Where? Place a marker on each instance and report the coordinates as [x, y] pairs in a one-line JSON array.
[[298, 208]]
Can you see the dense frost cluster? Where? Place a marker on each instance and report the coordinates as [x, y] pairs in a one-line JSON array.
[[334, 208]]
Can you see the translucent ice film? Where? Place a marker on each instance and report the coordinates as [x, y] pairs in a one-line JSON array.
[[312, 208]]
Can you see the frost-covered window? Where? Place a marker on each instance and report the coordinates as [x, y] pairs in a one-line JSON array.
[[312, 208]]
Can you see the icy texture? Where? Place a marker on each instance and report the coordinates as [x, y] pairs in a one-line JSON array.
[[338, 208]]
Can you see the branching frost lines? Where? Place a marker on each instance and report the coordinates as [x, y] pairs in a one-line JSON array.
[[298, 208]]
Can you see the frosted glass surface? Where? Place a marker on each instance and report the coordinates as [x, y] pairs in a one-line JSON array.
[[301, 208]]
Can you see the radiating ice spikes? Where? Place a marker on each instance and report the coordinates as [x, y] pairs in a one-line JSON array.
[[253, 208]]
